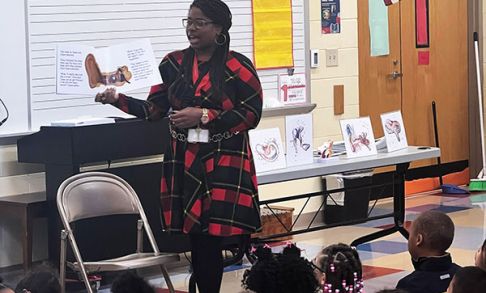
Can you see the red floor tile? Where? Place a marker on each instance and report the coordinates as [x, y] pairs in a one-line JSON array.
[[370, 272]]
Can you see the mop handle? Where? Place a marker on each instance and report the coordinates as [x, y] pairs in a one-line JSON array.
[[480, 100], [436, 135]]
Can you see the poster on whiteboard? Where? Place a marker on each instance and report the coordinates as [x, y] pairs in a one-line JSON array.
[[87, 70], [292, 88]]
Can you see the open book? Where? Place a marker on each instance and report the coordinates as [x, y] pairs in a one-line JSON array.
[[86, 70]]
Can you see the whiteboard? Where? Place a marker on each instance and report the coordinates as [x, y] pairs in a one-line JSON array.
[[37, 26]]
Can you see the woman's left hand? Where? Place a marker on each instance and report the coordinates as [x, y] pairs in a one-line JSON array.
[[186, 118]]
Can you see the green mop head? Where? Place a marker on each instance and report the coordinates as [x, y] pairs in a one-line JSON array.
[[477, 185]]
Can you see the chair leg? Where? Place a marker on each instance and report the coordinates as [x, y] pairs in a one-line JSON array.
[[82, 269], [167, 279], [62, 264]]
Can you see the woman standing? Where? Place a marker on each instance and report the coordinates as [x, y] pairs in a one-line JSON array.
[[213, 97]]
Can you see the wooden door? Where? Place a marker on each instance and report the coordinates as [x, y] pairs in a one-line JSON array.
[[444, 79], [379, 92]]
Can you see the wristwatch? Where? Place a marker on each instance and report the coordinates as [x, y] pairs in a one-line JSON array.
[[205, 116]]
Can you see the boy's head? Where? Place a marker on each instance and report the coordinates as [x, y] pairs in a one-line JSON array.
[[128, 282], [480, 257], [468, 280], [340, 268], [43, 280], [431, 234], [285, 272]]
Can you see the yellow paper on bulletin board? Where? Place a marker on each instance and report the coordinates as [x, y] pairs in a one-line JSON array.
[[272, 34]]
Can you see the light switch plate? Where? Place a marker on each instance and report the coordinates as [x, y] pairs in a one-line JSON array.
[[332, 58]]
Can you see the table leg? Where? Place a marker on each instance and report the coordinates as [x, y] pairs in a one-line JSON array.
[[26, 239], [398, 208]]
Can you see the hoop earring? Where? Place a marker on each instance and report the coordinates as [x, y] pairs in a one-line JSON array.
[[221, 43]]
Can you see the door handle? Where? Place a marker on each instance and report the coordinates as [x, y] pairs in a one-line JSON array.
[[395, 75]]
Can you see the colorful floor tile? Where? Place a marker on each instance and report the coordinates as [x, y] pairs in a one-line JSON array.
[[388, 247], [371, 272], [435, 207], [386, 260], [478, 198]]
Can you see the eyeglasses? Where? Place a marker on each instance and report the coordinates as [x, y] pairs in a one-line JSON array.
[[198, 23]]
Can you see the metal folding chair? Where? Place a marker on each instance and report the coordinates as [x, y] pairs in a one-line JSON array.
[[96, 194]]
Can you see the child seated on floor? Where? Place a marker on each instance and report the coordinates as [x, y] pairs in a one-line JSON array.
[[285, 272], [4, 288], [480, 257], [431, 235], [338, 269], [468, 280], [42, 280], [128, 282]]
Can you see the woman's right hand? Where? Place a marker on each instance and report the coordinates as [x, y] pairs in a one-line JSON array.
[[109, 96]]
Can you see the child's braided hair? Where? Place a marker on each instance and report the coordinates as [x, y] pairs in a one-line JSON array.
[[342, 266], [285, 272]]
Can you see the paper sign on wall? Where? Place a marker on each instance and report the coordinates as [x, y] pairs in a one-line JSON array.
[[298, 129], [378, 22], [330, 16]]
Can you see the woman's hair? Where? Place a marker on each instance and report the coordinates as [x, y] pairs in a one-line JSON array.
[[220, 14], [128, 282], [285, 272], [342, 266], [42, 280]]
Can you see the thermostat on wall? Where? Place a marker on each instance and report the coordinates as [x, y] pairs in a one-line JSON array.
[[314, 58]]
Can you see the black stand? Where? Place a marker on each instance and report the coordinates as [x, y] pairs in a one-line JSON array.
[[66, 151]]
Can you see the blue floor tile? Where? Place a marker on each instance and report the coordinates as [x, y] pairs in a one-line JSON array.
[[384, 246], [442, 208], [366, 255], [469, 238], [236, 267]]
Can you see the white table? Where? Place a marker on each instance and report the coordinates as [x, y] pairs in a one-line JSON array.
[[401, 159]]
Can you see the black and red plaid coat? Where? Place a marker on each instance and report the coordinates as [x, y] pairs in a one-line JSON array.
[[208, 187]]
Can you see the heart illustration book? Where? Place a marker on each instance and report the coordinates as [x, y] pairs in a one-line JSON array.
[[268, 152]]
